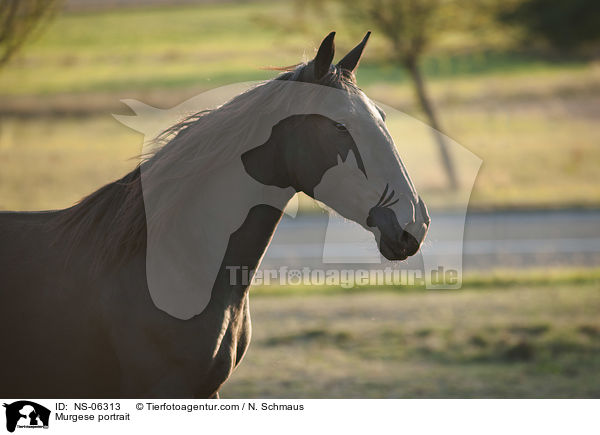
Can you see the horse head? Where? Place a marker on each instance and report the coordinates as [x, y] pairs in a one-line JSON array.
[[344, 156]]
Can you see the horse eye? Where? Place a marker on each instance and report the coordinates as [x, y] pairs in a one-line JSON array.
[[341, 127]]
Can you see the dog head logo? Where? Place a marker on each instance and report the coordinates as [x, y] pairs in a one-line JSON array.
[[26, 414]]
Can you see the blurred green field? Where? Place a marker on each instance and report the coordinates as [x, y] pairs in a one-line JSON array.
[[533, 121], [536, 339], [141, 48], [540, 152], [199, 47], [50, 163]]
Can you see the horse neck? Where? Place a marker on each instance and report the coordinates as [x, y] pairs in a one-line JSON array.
[[227, 224], [226, 198]]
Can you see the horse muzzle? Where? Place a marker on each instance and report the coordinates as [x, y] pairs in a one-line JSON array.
[[399, 248], [395, 242]]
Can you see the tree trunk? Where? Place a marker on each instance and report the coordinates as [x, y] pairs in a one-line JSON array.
[[427, 107]]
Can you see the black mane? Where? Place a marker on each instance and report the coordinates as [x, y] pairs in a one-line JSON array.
[[113, 219]]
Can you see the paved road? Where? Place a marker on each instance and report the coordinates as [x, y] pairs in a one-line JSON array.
[[491, 240]]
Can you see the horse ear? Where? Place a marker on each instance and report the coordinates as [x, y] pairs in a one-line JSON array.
[[322, 61], [350, 61]]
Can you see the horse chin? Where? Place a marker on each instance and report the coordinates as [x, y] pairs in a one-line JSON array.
[[397, 254]]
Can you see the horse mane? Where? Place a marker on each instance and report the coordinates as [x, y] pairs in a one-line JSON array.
[[113, 219]]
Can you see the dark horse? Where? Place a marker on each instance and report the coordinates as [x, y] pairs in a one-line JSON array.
[[97, 300]]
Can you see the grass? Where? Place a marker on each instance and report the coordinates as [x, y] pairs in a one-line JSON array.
[[537, 340], [532, 121], [45, 164], [124, 50], [538, 152], [151, 47], [532, 278]]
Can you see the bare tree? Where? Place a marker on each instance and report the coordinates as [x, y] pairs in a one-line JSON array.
[[19, 21], [409, 26]]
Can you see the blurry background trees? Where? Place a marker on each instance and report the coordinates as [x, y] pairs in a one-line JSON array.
[[19, 20], [413, 27], [409, 27], [565, 26]]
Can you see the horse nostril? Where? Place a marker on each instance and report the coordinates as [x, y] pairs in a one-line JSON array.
[[424, 212]]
